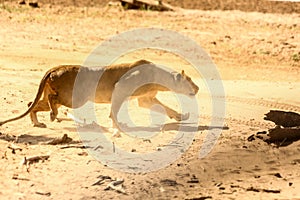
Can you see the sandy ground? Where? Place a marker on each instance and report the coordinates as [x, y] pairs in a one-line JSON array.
[[256, 54]]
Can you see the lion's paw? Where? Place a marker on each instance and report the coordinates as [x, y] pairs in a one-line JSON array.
[[40, 125], [52, 116], [115, 132], [185, 116], [182, 117]]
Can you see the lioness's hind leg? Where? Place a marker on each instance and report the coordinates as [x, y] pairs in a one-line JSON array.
[[149, 101], [54, 104], [42, 105]]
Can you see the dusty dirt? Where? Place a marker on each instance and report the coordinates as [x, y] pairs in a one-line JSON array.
[[257, 56], [243, 5]]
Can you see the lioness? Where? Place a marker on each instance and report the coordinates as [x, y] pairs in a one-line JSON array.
[[57, 85]]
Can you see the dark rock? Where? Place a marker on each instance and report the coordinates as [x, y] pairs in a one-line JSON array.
[[282, 118]]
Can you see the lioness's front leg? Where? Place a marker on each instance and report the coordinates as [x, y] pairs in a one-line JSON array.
[[149, 101]]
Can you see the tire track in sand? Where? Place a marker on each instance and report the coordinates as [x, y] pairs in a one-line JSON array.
[[252, 102]]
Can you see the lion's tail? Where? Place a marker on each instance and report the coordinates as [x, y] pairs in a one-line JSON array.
[[36, 100]]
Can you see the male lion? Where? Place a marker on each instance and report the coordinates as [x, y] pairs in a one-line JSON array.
[[57, 85]]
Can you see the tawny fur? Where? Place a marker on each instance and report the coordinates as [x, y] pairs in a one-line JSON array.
[[56, 89]]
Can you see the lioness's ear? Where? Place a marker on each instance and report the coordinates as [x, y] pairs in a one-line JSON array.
[[182, 72]]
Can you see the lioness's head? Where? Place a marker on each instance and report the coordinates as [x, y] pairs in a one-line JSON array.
[[184, 84]]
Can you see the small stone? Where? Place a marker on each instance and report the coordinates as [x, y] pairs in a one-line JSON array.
[[278, 175], [22, 2], [34, 4]]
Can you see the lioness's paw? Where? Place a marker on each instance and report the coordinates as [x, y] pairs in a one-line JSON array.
[[182, 117], [115, 132], [52, 116], [40, 125], [185, 116]]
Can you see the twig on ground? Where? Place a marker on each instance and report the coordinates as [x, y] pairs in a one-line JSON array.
[[44, 193], [101, 180], [61, 140], [116, 185], [33, 159], [75, 146], [14, 147], [262, 190]]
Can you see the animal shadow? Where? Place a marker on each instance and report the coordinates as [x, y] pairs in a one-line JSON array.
[[175, 126], [25, 139]]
